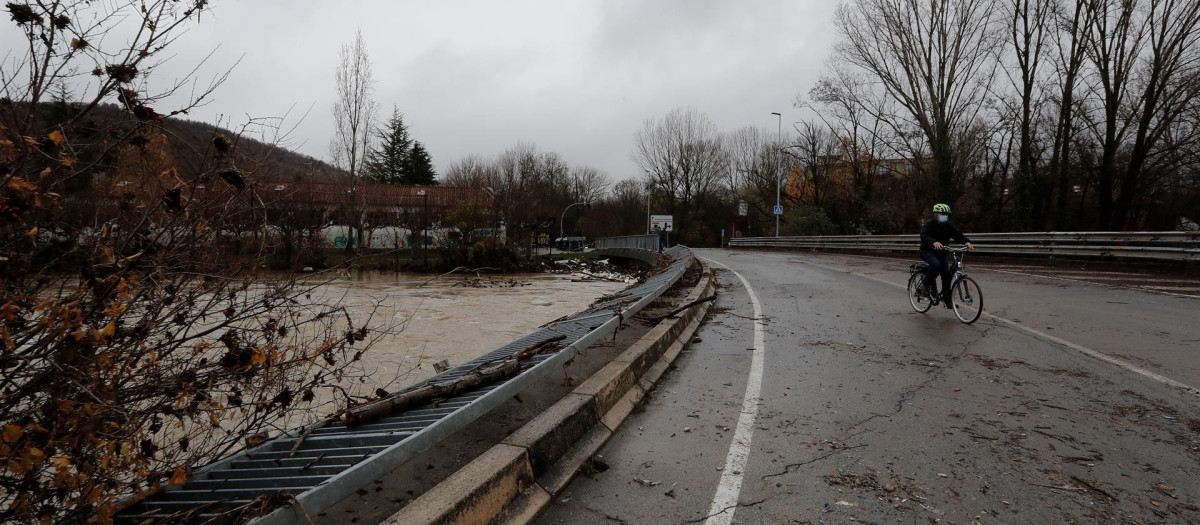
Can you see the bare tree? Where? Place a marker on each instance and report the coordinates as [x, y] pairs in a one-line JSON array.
[[354, 114], [1028, 30], [935, 58], [856, 113], [817, 150], [1072, 25], [588, 184], [1114, 45], [683, 157], [756, 162], [472, 171], [147, 341], [746, 166], [1167, 86]]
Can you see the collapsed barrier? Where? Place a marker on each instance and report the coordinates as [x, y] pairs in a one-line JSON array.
[[1152, 246], [321, 464]]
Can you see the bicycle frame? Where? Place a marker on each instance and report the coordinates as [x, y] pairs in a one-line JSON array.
[[960, 269]]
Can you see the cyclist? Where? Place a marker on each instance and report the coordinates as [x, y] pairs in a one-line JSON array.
[[935, 233]]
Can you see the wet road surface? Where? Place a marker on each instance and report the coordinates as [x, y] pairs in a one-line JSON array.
[[1068, 402]]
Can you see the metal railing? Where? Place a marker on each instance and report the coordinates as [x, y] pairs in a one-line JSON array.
[[643, 242], [1160, 246], [323, 463]]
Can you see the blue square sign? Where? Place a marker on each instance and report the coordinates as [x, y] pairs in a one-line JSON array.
[[778, 209]]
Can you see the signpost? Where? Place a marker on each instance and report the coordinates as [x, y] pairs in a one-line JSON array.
[[662, 225], [778, 209]]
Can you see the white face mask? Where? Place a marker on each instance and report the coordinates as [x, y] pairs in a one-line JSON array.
[[943, 218]]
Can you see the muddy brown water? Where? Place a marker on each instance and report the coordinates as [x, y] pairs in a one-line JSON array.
[[441, 319]]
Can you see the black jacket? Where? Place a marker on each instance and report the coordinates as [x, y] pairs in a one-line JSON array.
[[941, 232]]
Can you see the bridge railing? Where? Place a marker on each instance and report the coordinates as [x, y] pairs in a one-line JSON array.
[[643, 242], [1160, 246]]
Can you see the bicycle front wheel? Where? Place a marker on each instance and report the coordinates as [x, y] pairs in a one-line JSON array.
[[921, 303], [967, 300]]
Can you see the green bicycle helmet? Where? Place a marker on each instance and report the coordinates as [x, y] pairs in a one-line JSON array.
[[941, 208]]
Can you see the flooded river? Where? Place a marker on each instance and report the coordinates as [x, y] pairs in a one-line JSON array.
[[442, 319]]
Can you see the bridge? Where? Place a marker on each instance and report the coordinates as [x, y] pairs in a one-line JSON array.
[[819, 395], [814, 393]]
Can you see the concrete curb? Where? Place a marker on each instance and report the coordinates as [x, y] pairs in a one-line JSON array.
[[513, 481]]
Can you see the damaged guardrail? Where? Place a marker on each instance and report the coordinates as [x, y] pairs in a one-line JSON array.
[[309, 469], [1157, 246]]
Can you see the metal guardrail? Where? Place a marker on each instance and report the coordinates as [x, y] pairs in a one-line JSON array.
[[334, 461], [1161, 246], [642, 242]]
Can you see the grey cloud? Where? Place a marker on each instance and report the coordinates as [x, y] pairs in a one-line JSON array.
[[577, 78]]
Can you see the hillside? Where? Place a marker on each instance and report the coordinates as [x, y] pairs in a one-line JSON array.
[[192, 141], [278, 162]]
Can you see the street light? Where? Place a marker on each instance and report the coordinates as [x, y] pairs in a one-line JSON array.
[[564, 216], [778, 154]]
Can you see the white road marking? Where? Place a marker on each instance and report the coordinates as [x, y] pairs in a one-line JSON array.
[[1098, 355], [725, 501], [1079, 280], [1084, 350]]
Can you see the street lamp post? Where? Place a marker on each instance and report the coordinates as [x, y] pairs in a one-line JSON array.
[[564, 216], [778, 154]]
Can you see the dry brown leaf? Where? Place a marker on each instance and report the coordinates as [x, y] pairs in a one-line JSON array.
[[179, 477], [12, 433]]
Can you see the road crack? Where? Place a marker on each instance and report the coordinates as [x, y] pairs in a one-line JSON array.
[[789, 468], [743, 505], [904, 397]]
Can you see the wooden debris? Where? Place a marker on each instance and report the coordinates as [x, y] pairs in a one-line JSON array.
[[483, 374], [682, 308], [373, 410]]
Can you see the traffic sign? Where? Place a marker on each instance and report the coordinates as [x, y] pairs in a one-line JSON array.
[[778, 209], [662, 222]]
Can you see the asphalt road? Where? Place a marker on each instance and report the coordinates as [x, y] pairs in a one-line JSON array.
[[1068, 402]]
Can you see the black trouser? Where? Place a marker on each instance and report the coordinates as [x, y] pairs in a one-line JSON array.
[[938, 264]]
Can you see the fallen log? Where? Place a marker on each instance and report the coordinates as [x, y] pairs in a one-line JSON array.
[[538, 348], [373, 410], [529, 351], [682, 308]]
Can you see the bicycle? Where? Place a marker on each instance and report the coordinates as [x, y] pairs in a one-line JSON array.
[[966, 298]]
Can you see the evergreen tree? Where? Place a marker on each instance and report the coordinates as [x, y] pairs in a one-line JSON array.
[[420, 166], [62, 107], [388, 162]]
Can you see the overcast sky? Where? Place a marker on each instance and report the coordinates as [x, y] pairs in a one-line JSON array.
[[474, 77]]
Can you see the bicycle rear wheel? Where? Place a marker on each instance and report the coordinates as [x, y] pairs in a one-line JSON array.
[[967, 300], [920, 303]]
